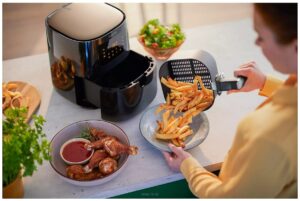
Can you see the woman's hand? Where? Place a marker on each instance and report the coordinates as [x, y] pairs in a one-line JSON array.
[[255, 78], [175, 159]]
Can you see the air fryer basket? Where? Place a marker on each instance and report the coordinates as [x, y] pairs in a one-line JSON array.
[[185, 70]]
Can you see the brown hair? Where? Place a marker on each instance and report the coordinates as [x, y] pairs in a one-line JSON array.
[[281, 18]]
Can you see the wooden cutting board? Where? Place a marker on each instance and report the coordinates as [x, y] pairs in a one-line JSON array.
[[34, 98]]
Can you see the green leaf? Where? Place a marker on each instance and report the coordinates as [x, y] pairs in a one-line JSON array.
[[85, 134], [24, 146]]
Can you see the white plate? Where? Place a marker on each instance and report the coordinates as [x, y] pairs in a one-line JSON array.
[[148, 125]]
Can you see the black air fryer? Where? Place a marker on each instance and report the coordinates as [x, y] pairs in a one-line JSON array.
[[91, 63]]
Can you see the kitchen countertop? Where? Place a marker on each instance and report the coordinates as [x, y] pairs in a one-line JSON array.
[[230, 43]]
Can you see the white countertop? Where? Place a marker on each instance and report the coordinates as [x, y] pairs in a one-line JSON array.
[[230, 43]]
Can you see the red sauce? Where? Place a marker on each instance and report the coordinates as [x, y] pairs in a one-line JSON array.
[[75, 152]]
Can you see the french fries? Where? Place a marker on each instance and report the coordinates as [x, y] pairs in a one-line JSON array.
[[183, 97], [173, 128]]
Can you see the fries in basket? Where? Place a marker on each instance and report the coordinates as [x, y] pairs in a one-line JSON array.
[[183, 97]]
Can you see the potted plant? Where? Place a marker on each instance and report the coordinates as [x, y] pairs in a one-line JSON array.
[[24, 147]]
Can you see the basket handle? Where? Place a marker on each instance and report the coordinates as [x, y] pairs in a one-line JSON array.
[[223, 84]]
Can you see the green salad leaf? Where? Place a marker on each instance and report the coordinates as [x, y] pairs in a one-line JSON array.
[[155, 35]]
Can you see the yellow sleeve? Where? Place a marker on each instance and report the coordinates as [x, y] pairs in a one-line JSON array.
[[271, 84], [255, 173]]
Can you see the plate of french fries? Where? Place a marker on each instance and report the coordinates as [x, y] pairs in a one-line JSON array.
[[161, 127], [180, 120]]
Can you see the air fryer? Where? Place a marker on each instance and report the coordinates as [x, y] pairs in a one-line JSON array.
[[91, 63]]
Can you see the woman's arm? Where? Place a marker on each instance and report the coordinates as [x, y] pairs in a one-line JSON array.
[[255, 172], [271, 84]]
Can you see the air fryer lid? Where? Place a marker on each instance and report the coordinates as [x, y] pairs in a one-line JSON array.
[[85, 21]]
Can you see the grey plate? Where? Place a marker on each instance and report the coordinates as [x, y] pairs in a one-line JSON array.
[[200, 127], [72, 131]]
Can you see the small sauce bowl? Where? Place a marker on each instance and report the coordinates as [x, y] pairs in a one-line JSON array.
[[74, 153]]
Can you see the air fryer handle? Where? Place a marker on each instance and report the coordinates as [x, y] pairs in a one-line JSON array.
[[230, 84]]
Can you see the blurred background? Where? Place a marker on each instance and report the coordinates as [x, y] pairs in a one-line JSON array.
[[24, 24]]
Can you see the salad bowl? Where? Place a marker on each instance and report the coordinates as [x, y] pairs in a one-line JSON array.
[[159, 40]]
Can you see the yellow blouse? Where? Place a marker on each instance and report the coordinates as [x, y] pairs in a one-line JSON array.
[[262, 161]]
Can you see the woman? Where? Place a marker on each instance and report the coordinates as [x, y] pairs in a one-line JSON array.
[[262, 161]]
